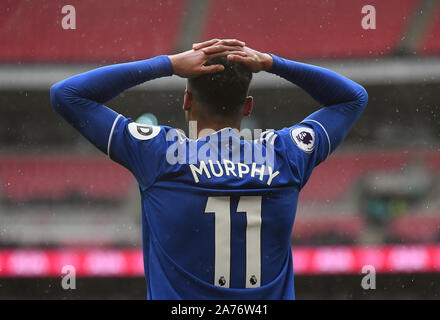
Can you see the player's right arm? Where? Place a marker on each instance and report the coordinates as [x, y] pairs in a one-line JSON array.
[[80, 101]]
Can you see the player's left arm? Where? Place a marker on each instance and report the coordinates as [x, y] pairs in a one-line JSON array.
[[343, 100], [319, 134], [80, 99]]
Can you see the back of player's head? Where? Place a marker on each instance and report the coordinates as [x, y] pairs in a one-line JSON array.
[[222, 92]]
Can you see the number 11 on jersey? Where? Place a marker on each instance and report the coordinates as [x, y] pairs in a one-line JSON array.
[[251, 206]]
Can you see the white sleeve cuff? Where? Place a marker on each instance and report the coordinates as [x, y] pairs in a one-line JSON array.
[[328, 138]]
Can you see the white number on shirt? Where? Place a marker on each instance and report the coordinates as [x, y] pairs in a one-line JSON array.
[[251, 206]]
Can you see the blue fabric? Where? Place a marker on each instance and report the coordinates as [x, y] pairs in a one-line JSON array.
[[178, 177], [344, 100], [79, 99]]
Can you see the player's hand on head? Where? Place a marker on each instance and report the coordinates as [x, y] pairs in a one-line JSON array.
[[191, 63], [227, 42], [256, 61]]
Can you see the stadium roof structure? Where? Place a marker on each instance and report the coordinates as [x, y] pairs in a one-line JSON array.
[[378, 71]]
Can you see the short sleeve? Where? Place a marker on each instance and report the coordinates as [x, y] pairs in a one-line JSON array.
[[306, 145], [138, 147]]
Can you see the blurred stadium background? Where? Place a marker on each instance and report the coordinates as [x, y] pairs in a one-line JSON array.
[[375, 201]]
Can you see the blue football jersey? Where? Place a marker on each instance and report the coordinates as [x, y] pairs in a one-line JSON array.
[[218, 212]]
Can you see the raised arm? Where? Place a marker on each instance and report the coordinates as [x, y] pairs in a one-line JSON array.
[[325, 86], [344, 100], [79, 99]]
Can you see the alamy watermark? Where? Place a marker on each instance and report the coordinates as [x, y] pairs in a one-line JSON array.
[[369, 280], [226, 144], [68, 279], [369, 20], [227, 152], [69, 20]]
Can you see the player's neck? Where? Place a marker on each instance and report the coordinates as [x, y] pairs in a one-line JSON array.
[[205, 128]]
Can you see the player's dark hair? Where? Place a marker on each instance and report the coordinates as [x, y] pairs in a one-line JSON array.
[[223, 92]]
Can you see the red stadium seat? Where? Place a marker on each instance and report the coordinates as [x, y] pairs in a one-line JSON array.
[[106, 31], [334, 178], [430, 44], [311, 29], [58, 178], [415, 228], [112, 31], [346, 226], [27, 178]]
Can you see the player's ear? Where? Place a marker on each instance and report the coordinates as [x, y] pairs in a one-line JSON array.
[[248, 106], [187, 99]]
